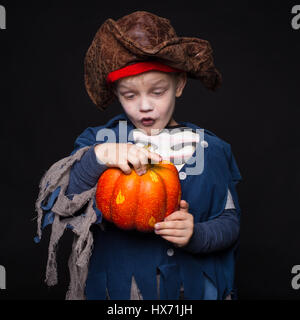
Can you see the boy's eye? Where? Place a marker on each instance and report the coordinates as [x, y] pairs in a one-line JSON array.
[[131, 96], [157, 93]]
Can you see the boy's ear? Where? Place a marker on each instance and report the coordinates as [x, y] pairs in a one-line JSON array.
[[181, 82]]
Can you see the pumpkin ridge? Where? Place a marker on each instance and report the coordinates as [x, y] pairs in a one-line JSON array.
[[111, 198], [172, 173], [137, 202], [162, 181]]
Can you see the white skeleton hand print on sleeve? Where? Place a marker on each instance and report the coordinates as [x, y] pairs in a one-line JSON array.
[[175, 145]]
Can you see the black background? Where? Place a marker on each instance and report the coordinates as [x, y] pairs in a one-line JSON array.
[[44, 107]]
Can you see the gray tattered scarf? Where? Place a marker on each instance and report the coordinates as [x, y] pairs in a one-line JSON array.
[[58, 176]]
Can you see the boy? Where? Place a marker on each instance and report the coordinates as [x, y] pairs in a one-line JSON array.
[[191, 253]]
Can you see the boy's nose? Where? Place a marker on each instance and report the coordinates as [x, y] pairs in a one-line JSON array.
[[145, 105]]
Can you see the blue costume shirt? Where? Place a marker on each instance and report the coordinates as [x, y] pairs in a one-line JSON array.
[[119, 254]]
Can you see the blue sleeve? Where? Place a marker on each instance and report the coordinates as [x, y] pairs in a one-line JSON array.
[[85, 173], [216, 234], [86, 138]]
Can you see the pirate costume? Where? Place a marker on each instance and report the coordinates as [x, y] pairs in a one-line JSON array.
[[107, 262]]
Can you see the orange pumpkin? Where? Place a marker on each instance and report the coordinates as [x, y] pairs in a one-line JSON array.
[[137, 202]]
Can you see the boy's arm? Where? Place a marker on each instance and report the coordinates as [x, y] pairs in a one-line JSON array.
[[213, 235], [85, 173], [78, 182], [217, 234]]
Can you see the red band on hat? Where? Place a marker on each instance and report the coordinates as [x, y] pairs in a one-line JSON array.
[[138, 68]]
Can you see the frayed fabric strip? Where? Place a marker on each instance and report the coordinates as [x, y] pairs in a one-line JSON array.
[[58, 176]]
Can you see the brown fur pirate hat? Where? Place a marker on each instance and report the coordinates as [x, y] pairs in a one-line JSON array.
[[144, 36]]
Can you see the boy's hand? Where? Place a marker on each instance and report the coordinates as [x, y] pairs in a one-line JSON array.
[[178, 227], [122, 154]]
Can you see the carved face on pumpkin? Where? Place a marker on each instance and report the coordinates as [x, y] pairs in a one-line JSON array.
[[148, 99]]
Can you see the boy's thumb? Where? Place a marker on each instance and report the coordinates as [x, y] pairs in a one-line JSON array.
[[184, 206]]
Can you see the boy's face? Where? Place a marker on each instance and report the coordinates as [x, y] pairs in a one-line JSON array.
[[150, 95]]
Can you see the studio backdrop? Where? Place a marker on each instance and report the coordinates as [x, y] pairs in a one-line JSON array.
[[45, 106]]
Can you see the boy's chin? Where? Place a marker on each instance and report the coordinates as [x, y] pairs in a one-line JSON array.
[[150, 131]]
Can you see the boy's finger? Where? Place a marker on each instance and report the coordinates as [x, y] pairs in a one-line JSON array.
[[169, 225], [136, 162], [125, 168], [176, 215], [171, 232], [155, 157], [143, 161], [184, 206]]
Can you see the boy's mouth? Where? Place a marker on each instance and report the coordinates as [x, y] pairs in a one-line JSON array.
[[147, 122]]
